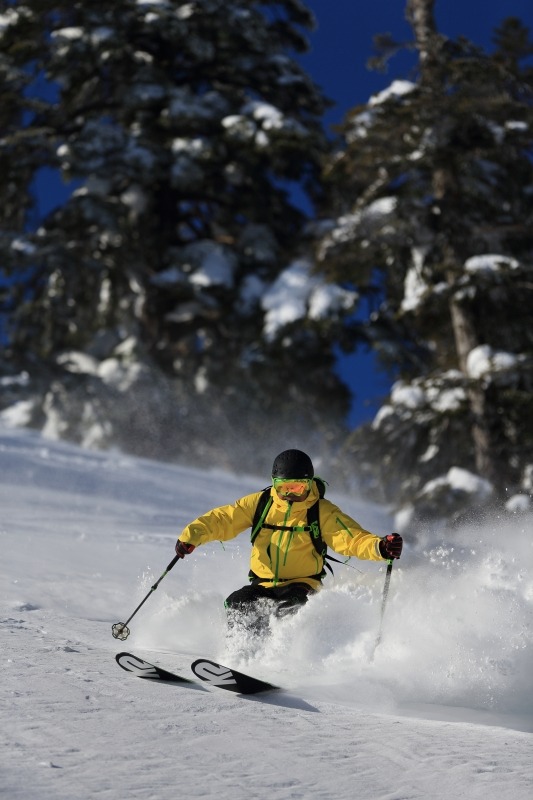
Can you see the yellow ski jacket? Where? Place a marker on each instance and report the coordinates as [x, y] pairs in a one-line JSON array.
[[280, 556]]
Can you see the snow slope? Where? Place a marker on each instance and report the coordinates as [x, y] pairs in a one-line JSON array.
[[444, 710]]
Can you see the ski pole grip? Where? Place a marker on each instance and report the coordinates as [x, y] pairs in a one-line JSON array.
[[174, 560]]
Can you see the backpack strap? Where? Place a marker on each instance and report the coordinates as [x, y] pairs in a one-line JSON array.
[[313, 525], [316, 536], [261, 510]]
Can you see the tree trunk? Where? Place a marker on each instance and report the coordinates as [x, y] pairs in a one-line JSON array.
[[445, 187], [482, 437], [420, 16]]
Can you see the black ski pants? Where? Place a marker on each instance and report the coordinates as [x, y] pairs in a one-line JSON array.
[[246, 605]]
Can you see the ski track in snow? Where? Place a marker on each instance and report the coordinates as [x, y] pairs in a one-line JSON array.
[[443, 711]]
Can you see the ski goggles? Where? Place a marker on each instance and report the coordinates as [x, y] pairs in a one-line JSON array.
[[297, 486]]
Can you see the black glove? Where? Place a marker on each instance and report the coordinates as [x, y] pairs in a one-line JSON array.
[[391, 546], [183, 549]]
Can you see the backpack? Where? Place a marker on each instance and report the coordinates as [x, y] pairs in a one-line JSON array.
[[313, 522]]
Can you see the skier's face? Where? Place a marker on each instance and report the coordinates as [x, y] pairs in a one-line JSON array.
[[294, 490], [295, 498]]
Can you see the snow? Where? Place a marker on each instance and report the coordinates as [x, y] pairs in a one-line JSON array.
[[256, 120], [415, 290], [446, 400], [362, 122], [518, 503], [121, 375], [188, 155], [407, 395], [382, 415], [484, 360], [67, 33], [286, 300], [217, 267], [489, 262], [102, 34], [516, 125], [462, 480], [372, 217], [396, 90], [443, 710], [268, 115], [415, 287], [527, 480], [442, 394], [185, 11], [19, 245], [78, 362], [22, 379], [326, 299], [296, 293], [135, 198], [17, 415], [9, 17]]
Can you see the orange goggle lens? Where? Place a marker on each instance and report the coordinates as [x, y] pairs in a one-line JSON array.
[[291, 486]]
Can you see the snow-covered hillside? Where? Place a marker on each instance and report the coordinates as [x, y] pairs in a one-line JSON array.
[[444, 710]]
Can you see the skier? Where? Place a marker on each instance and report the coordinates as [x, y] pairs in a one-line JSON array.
[[287, 558]]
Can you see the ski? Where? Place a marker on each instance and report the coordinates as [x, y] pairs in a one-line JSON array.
[[143, 669], [209, 671], [225, 678]]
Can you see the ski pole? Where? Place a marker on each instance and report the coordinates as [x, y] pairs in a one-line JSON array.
[[120, 630], [383, 604]]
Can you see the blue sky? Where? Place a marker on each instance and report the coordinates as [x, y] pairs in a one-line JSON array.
[[340, 49], [343, 40]]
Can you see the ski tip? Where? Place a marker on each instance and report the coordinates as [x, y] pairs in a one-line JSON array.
[[143, 669], [230, 679]]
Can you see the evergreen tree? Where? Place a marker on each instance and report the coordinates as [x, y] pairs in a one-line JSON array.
[[183, 127], [431, 194], [21, 150]]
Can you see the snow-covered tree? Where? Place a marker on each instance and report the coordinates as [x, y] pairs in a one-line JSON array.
[[21, 150], [432, 200], [183, 127]]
